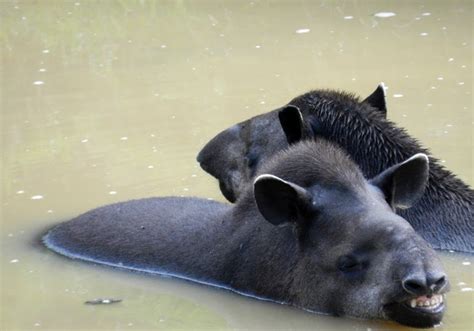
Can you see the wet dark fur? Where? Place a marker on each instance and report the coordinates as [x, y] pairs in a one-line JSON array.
[[444, 216], [234, 247]]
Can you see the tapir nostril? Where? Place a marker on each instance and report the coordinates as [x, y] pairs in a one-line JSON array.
[[425, 285], [437, 283], [415, 286], [440, 281]]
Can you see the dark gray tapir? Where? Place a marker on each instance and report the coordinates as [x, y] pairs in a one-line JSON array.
[[310, 231], [444, 216]]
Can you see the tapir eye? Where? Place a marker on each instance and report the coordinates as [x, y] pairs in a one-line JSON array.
[[252, 159], [349, 264]]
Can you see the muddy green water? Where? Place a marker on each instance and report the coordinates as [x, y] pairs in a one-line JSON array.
[[110, 101]]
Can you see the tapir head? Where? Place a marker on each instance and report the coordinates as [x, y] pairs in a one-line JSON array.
[[357, 257], [234, 155]]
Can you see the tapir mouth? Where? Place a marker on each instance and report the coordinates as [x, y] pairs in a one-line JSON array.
[[422, 312], [424, 303]]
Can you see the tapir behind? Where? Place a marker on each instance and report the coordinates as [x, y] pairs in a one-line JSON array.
[[444, 216], [311, 232]]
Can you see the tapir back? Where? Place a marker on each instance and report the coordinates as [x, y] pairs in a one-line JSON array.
[[154, 235]]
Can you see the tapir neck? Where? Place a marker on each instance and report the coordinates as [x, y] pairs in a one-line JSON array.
[[262, 257], [447, 205], [245, 253]]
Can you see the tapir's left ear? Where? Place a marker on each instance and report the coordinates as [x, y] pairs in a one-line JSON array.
[[280, 202], [292, 123], [377, 99], [404, 183]]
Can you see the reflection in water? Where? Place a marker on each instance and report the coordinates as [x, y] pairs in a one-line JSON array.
[[104, 102]]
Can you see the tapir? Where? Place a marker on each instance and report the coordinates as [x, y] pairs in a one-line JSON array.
[[444, 216], [310, 231]]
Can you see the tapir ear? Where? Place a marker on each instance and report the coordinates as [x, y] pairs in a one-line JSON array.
[[377, 99], [280, 202], [404, 183], [292, 123]]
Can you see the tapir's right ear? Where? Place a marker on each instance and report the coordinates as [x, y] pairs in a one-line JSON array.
[[292, 123], [404, 183], [377, 99], [281, 202]]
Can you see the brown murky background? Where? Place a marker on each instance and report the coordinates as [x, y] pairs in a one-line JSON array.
[[109, 101]]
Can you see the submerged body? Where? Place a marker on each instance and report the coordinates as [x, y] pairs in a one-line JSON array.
[[310, 232], [444, 216]]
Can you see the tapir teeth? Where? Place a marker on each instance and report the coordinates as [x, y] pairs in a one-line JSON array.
[[425, 302]]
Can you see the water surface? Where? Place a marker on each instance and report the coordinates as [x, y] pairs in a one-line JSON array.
[[111, 101]]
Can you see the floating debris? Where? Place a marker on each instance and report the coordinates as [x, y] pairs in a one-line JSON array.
[[36, 197], [101, 301]]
